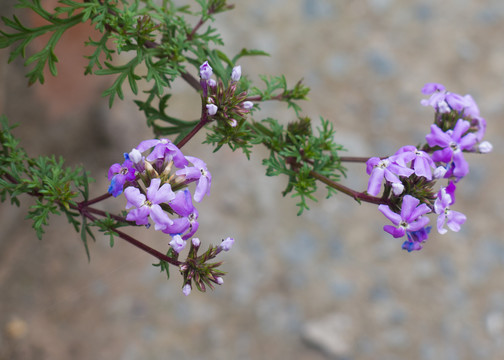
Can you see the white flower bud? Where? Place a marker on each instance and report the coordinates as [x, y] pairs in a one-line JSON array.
[[212, 109], [485, 147], [236, 73]]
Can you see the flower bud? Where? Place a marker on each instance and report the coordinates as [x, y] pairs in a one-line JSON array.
[[439, 172], [233, 123], [397, 188], [177, 243], [196, 242], [205, 71], [187, 289], [485, 147], [212, 83], [212, 109], [227, 244], [135, 156], [247, 105], [219, 280], [236, 73]]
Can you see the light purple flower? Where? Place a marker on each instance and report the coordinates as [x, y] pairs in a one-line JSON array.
[[149, 206], [205, 71], [416, 239], [410, 218], [212, 109], [219, 280], [226, 244], [197, 172], [236, 73], [186, 290], [452, 144], [431, 88], [196, 242], [164, 150], [120, 174], [453, 219], [422, 162], [177, 243], [379, 169], [188, 221]]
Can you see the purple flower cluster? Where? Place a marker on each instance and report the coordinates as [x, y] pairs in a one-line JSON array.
[[154, 178], [411, 172]]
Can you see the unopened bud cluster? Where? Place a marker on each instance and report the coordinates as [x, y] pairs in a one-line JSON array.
[[222, 103], [410, 174]]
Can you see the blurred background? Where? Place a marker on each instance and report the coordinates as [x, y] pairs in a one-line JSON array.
[[329, 284]]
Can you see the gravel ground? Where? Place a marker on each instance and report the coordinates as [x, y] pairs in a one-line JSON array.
[[326, 285]]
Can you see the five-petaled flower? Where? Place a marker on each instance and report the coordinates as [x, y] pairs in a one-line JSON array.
[[149, 206], [452, 142], [410, 219], [200, 173]]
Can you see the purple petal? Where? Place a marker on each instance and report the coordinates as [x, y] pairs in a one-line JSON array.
[[375, 181], [139, 215], [438, 137], [134, 197], [395, 232], [461, 165], [160, 217], [114, 169], [389, 214], [460, 129], [201, 189], [431, 88], [147, 144], [182, 203]]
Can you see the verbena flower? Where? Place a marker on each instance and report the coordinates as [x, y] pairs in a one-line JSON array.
[[421, 162], [416, 239], [200, 173], [149, 206], [453, 219], [386, 168], [452, 143], [119, 174], [164, 150], [410, 219]]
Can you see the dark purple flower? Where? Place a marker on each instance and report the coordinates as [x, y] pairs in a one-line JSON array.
[[149, 206], [200, 173], [386, 168], [120, 174], [416, 239], [410, 218], [452, 143], [453, 219]]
